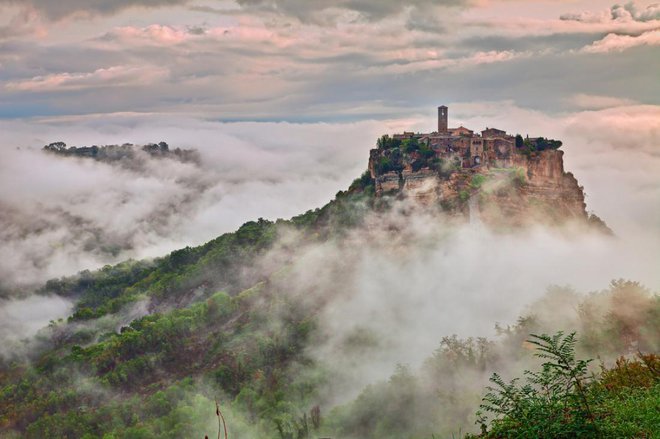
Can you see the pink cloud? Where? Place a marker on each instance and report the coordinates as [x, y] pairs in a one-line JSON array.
[[596, 102], [164, 35], [590, 23], [155, 33], [24, 23], [112, 76], [619, 43], [437, 63], [617, 13]]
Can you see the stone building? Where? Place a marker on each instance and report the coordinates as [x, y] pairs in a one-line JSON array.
[[492, 147]]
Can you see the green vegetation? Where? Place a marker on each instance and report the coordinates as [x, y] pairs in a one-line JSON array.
[[410, 145], [563, 401], [553, 402], [464, 196], [518, 176], [394, 153], [478, 180], [363, 184], [597, 223], [520, 142], [158, 375], [192, 273], [529, 146], [117, 153], [226, 342], [387, 142], [216, 264]]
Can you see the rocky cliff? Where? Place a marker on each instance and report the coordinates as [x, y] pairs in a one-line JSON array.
[[527, 187]]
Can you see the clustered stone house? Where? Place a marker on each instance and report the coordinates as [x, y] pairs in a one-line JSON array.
[[492, 147]]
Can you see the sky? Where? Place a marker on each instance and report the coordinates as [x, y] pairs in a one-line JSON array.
[[284, 98], [321, 60]]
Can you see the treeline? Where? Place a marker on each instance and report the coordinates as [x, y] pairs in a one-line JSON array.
[[394, 153], [530, 145], [127, 151]]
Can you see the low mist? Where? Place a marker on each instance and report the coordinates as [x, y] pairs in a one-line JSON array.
[[406, 280], [388, 292]]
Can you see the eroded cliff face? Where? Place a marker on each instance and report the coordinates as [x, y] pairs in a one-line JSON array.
[[532, 188]]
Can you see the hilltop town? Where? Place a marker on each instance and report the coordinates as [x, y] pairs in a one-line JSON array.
[[510, 179], [463, 147]]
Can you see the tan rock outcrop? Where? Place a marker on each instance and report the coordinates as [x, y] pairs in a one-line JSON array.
[[527, 188]]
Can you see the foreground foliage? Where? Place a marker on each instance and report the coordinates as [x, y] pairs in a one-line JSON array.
[[563, 401]]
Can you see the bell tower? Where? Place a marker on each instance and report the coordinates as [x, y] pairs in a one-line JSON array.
[[443, 114]]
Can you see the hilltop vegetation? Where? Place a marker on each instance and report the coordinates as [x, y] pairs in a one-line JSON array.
[[126, 152]]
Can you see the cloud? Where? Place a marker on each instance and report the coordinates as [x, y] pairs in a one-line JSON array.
[[617, 19], [116, 76], [22, 318], [597, 102], [65, 8], [634, 128], [410, 277], [324, 11], [255, 65], [166, 36], [23, 23], [619, 43], [436, 61], [56, 222], [406, 278], [156, 33], [617, 13], [315, 11]]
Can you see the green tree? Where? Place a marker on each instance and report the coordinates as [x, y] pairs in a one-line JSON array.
[[519, 141], [553, 402]]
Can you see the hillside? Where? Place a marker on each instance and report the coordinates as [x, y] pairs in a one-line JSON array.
[[246, 318]]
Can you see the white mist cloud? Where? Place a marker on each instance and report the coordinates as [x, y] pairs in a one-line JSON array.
[[409, 280], [62, 214], [55, 210], [22, 318], [619, 43], [598, 102]]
